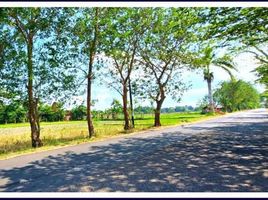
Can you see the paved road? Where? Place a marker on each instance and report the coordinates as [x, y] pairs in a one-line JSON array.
[[226, 154]]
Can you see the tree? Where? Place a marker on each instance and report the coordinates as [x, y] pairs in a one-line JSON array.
[[264, 98], [79, 112], [51, 113], [116, 108], [237, 95], [208, 58], [262, 72], [87, 37], [244, 29], [163, 52], [144, 109], [124, 31], [13, 112], [11, 109], [34, 64]]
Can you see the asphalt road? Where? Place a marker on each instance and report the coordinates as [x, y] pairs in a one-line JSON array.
[[227, 154]]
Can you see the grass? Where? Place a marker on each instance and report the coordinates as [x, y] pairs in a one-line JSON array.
[[15, 138]]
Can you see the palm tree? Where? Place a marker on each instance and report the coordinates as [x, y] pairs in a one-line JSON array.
[[208, 60]]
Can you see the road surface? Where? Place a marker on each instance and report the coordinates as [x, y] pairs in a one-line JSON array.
[[224, 154]]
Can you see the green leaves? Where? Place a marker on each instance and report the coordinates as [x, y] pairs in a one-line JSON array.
[[209, 56], [49, 51], [164, 49], [237, 95], [240, 28]]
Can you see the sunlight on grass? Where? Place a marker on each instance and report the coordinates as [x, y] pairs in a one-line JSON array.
[[15, 138]]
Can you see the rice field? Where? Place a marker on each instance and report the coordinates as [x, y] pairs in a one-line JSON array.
[[15, 138]]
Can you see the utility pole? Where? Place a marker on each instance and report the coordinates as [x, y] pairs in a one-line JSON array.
[[131, 104]]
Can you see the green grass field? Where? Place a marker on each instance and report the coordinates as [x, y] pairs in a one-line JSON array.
[[15, 138]]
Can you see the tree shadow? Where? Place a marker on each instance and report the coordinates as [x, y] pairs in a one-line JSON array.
[[229, 158]]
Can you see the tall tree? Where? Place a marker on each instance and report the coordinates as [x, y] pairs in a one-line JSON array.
[[163, 52], [122, 38], [36, 65], [86, 36], [208, 58]]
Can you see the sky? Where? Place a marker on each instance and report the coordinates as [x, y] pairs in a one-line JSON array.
[[245, 63]]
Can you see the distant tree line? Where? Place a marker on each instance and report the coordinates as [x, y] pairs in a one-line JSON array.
[[13, 113], [230, 96], [16, 112]]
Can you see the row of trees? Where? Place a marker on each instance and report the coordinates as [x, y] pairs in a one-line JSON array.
[[12, 113], [231, 96], [16, 112], [47, 53], [115, 111]]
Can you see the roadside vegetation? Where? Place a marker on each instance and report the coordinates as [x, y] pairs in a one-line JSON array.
[[236, 95], [15, 138], [48, 56]]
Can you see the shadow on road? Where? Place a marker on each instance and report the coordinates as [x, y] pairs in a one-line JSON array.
[[227, 158]]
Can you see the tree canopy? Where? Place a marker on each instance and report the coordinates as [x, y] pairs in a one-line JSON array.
[[237, 95]]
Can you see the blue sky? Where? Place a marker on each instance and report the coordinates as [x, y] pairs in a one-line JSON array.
[[245, 64]]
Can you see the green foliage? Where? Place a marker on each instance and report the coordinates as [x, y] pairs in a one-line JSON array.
[[264, 98], [144, 109], [164, 50], [124, 31], [262, 73], [237, 95], [84, 32], [12, 109], [52, 113], [244, 24], [12, 113], [50, 73], [150, 46], [16, 112], [116, 108], [178, 109], [114, 112], [79, 112], [243, 29], [208, 56]]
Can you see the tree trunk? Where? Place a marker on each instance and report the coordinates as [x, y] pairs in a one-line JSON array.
[[92, 52], [33, 104], [131, 105], [125, 111], [157, 113], [211, 104], [89, 83]]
